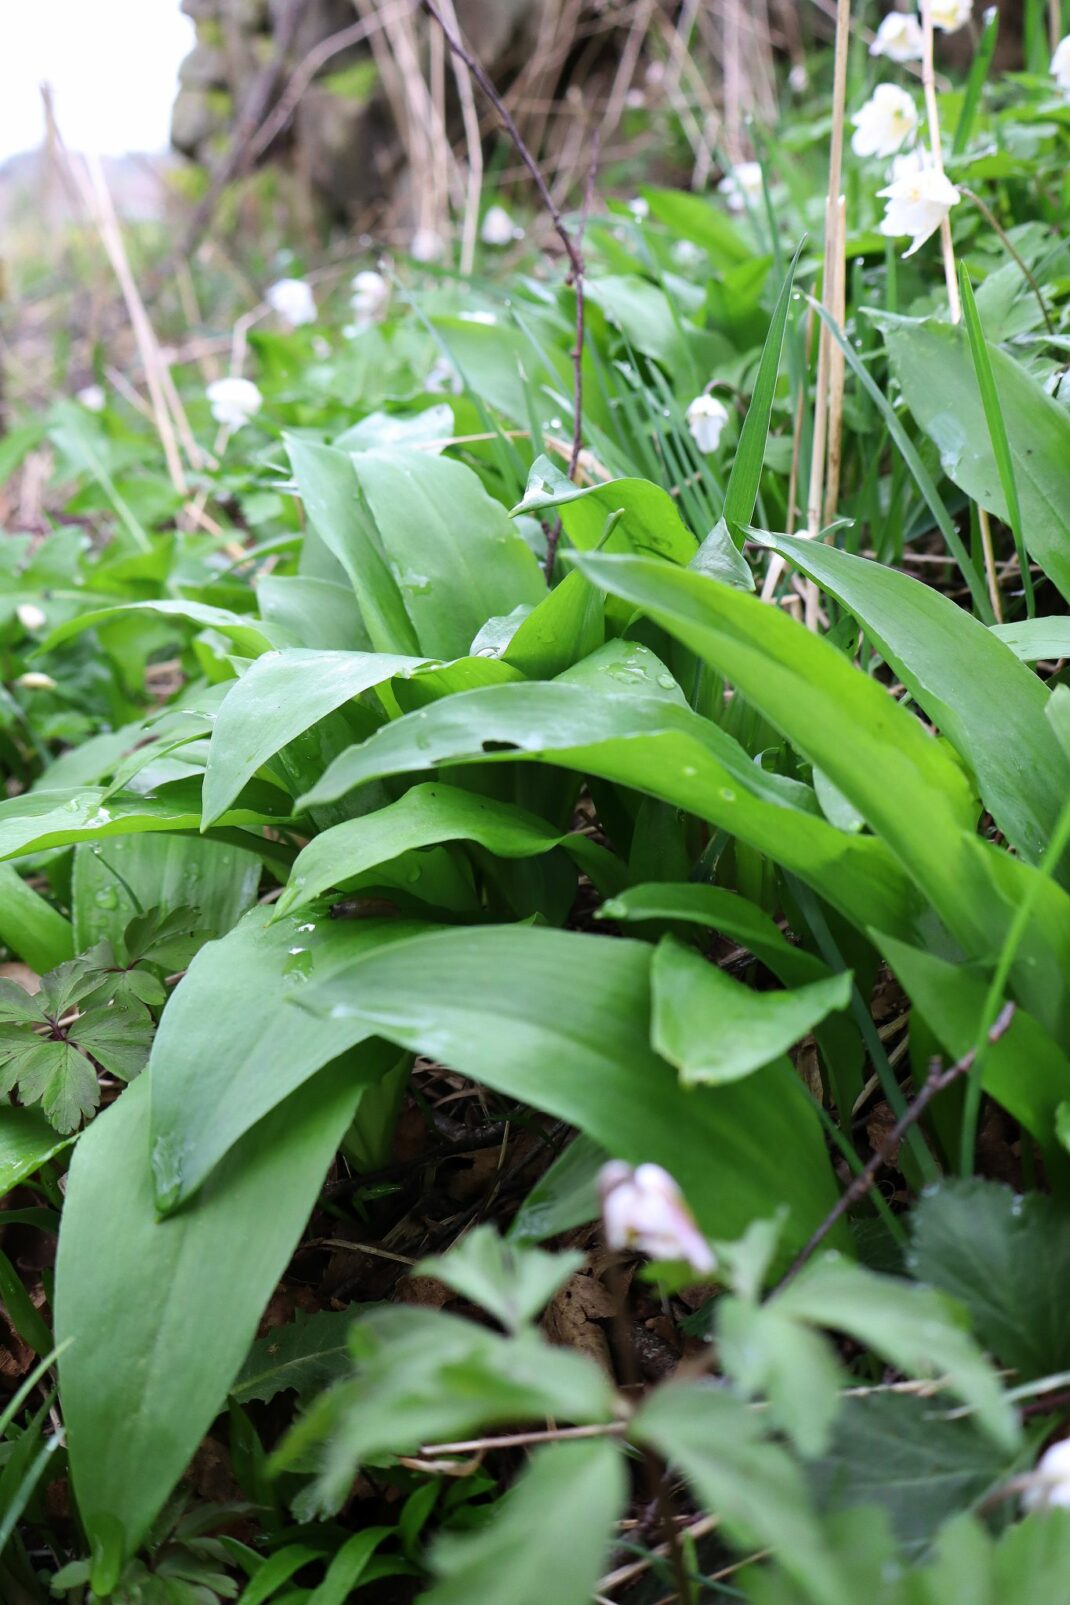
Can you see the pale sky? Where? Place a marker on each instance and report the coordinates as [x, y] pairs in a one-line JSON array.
[[111, 63]]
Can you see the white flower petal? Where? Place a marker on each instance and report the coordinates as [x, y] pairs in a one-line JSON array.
[[293, 300]]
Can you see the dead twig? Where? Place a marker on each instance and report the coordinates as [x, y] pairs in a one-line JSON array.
[[937, 1082], [571, 244]]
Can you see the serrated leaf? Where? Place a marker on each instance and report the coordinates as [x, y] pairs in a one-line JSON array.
[[1007, 1260], [573, 1491], [61, 1079], [512, 1282], [423, 1376], [118, 1038], [920, 1331], [305, 1355]]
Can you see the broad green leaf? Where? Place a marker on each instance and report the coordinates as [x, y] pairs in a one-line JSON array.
[[1006, 1259], [1026, 1071], [574, 1491], [427, 814], [27, 1141], [905, 785], [348, 1566], [276, 1571], [650, 519], [423, 1376], [250, 637], [714, 1029], [456, 556], [44, 819], [77, 435], [988, 704], [30, 927], [564, 1196], [932, 364], [751, 1484], [701, 220], [745, 478], [562, 1021], [160, 1324], [302, 1357], [921, 1332], [114, 880], [279, 697], [231, 1046], [1034, 639], [653, 745], [565, 627], [652, 326], [339, 514], [313, 612], [723, 911], [513, 1284]]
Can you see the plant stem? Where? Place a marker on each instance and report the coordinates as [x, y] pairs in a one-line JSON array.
[[928, 82]]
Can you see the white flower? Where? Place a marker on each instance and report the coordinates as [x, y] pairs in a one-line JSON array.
[[686, 254], [427, 245], [34, 680], [293, 300], [92, 398], [742, 185], [370, 298], [30, 616], [644, 1209], [639, 207], [234, 401], [908, 164], [1060, 65], [1051, 1479], [799, 79], [887, 122], [706, 418], [899, 37], [498, 228], [917, 205], [950, 15]]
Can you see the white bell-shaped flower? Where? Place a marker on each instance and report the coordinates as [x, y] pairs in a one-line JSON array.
[[294, 302], [1050, 1483], [706, 418], [1060, 65], [644, 1209], [887, 122], [951, 15], [917, 205], [427, 245], [30, 616], [92, 398], [499, 228], [742, 186], [234, 401], [899, 37], [370, 298]]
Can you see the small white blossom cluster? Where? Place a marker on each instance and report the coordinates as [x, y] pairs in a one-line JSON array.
[[706, 418], [900, 36], [368, 301], [499, 229], [1060, 65], [644, 1210], [742, 186], [293, 301], [234, 401]]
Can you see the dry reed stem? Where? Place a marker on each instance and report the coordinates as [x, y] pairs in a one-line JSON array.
[[98, 203], [836, 365], [474, 147], [928, 83]]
